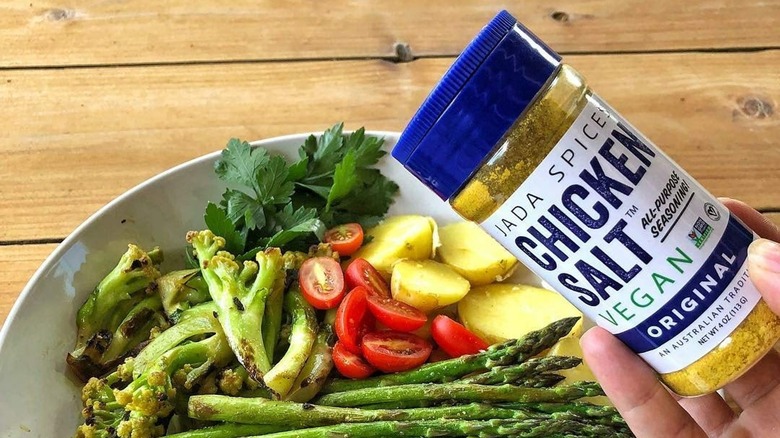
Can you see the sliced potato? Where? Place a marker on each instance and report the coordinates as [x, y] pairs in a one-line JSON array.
[[474, 254], [399, 237], [498, 312], [570, 346], [426, 284]]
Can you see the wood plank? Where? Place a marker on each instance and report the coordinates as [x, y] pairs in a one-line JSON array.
[[774, 217], [79, 137], [47, 32], [17, 265]]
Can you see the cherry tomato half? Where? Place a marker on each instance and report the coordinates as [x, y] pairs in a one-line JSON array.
[[353, 320], [395, 314], [322, 282], [345, 239], [361, 273], [349, 364], [455, 339], [391, 351]]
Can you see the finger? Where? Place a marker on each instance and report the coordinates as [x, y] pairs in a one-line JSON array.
[[634, 389], [760, 385], [710, 411], [753, 219], [760, 409], [764, 269]]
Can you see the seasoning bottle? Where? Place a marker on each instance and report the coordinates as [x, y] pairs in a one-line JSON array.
[[515, 140]]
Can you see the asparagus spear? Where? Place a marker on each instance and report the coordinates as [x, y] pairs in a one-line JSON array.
[[510, 352], [544, 380], [518, 372], [533, 427], [588, 412], [460, 392], [580, 408], [300, 415], [229, 430]]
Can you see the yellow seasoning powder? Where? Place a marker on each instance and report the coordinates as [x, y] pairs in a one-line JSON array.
[[593, 207]]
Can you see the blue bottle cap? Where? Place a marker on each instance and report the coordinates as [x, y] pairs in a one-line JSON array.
[[479, 98]]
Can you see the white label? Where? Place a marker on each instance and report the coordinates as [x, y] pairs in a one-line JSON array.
[[632, 240]]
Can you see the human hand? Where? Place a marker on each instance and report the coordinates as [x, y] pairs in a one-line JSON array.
[[652, 411]]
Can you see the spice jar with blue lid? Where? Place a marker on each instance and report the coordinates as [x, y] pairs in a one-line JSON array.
[[516, 141]]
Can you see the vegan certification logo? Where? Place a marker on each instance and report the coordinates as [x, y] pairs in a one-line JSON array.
[[700, 232]]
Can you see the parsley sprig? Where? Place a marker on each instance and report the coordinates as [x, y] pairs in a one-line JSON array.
[[271, 202]]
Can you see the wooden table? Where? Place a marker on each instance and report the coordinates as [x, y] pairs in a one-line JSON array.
[[99, 96]]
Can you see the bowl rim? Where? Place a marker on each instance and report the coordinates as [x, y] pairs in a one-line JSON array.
[[66, 243]]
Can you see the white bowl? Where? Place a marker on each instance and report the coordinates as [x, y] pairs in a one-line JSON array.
[[38, 398]]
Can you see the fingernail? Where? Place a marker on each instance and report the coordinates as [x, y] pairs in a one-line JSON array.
[[765, 254]]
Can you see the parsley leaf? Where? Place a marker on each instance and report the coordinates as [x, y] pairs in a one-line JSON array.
[[240, 206], [344, 179], [271, 202], [240, 162], [219, 223], [273, 186]]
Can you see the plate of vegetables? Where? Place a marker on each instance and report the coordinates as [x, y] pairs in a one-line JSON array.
[[302, 286]]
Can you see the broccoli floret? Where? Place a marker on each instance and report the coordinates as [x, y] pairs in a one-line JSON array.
[[241, 292], [294, 259], [118, 315], [180, 290], [303, 334], [231, 382], [140, 395]]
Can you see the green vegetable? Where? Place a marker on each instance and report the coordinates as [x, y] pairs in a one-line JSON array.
[[440, 392], [280, 204], [240, 293], [180, 290], [303, 334], [510, 352], [517, 372], [301, 415], [544, 380], [316, 369], [533, 427], [230, 431], [140, 395], [117, 315]]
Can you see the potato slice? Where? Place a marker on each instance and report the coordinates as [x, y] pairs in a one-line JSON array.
[[399, 237], [570, 346], [426, 284], [498, 312], [474, 254]]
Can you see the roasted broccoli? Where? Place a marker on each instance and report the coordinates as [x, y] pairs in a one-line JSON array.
[[138, 398], [180, 290], [241, 293], [119, 314]]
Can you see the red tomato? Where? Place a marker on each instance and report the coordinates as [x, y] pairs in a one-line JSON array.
[[322, 282], [350, 364], [353, 320], [345, 239], [455, 339], [361, 273], [392, 351], [396, 314]]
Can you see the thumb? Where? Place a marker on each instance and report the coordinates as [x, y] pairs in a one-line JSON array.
[[764, 269]]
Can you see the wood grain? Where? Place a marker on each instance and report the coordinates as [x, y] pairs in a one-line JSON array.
[[17, 265], [774, 217], [79, 32], [77, 138]]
